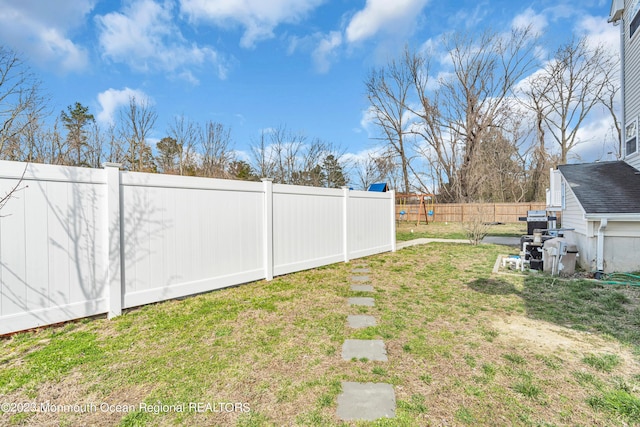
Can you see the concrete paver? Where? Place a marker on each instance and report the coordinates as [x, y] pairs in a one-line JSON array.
[[371, 349], [366, 301], [357, 321], [362, 288], [366, 401]]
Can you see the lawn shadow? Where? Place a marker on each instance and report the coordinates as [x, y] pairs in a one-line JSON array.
[[493, 286], [583, 305]]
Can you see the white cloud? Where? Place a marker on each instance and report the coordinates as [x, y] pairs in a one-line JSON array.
[[112, 99], [145, 37], [537, 21], [596, 138], [41, 30], [599, 31], [384, 15], [258, 17], [325, 51], [368, 122], [470, 17]]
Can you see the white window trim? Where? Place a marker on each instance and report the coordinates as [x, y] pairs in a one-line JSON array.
[[634, 10], [627, 138]]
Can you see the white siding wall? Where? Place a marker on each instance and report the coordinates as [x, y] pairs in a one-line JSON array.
[[632, 77], [573, 214], [67, 250]]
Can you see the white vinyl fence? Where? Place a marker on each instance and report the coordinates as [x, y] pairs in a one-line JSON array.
[[77, 242]]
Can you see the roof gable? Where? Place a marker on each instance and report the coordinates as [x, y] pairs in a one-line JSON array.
[[605, 187]]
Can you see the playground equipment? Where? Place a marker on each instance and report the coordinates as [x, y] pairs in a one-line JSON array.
[[413, 205]]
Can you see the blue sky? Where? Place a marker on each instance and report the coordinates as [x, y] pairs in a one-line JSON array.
[[258, 64]]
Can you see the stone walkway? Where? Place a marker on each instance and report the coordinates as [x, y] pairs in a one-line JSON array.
[[364, 401]]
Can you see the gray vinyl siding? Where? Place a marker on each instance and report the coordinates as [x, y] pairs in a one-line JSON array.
[[632, 78]]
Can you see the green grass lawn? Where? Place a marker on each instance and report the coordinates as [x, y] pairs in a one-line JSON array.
[[464, 348], [406, 230]]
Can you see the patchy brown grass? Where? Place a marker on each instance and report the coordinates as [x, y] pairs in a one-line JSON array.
[[464, 348]]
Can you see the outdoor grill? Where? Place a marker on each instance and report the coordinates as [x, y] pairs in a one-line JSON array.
[[535, 220]]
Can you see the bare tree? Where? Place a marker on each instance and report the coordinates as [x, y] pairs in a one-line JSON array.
[[437, 147], [375, 168], [291, 158], [608, 100], [460, 112], [96, 144], [21, 101], [576, 79], [136, 123], [262, 157], [473, 100], [186, 135], [216, 151], [117, 150], [388, 92], [278, 155]]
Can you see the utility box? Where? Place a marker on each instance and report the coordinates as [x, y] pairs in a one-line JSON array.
[[559, 257]]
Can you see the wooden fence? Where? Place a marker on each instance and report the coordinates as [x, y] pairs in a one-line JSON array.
[[464, 212]]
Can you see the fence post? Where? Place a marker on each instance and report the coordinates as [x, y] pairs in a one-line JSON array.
[[114, 239], [345, 223], [392, 196], [268, 228]]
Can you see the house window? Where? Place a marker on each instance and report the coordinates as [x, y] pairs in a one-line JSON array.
[[631, 137], [635, 17]]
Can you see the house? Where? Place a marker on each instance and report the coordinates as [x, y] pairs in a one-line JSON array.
[[600, 202]]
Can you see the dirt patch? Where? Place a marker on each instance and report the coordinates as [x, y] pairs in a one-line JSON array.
[[536, 335]]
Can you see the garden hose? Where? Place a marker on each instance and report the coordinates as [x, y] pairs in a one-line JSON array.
[[618, 279]]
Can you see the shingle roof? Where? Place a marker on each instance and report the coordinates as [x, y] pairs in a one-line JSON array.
[[604, 187]]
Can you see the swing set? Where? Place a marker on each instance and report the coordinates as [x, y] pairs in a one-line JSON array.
[[413, 205]]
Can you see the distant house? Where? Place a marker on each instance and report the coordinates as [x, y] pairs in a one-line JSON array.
[[601, 201]]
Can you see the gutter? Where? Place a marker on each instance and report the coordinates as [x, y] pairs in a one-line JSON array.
[[600, 245], [631, 217]]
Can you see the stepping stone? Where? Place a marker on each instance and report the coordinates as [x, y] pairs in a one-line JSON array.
[[358, 321], [362, 288], [359, 278], [367, 301], [361, 270], [366, 401], [371, 349]]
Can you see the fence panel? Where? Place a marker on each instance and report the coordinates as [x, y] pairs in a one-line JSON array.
[[464, 212], [307, 227], [369, 230], [79, 242], [184, 235], [53, 242]]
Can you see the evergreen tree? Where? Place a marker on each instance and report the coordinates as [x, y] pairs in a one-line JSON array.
[[76, 119], [333, 172]]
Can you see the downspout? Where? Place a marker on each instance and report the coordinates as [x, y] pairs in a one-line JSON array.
[[600, 245], [622, 89]]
